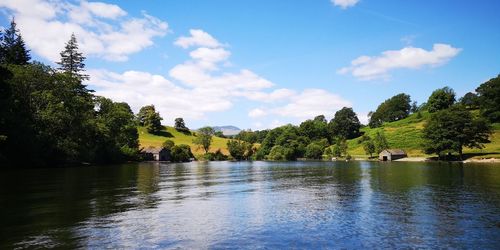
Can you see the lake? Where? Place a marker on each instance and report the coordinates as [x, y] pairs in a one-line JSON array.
[[253, 205]]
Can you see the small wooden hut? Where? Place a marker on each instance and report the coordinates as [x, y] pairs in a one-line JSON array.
[[156, 154], [391, 154]]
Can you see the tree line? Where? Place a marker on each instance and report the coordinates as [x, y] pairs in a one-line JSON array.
[[453, 125], [49, 117]]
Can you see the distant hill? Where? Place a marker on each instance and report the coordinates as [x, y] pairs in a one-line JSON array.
[[227, 130]]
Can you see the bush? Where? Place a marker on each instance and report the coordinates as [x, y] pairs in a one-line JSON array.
[[280, 153], [181, 153], [215, 156], [313, 151]]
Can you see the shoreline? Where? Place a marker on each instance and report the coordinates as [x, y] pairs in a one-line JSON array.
[[472, 160]]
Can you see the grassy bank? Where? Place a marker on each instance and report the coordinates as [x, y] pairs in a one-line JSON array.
[[406, 134], [169, 133]]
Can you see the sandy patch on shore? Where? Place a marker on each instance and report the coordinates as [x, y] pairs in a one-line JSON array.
[[484, 160], [415, 159]]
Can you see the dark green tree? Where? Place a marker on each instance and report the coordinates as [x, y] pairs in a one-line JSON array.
[[180, 125], [441, 99], [117, 136], [281, 153], [315, 129], [470, 100], [313, 151], [149, 118], [393, 109], [13, 48], [143, 113], [204, 138], [236, 149], [181, 153], [489, 99], [72, 61], [452, 129], [345, 124]]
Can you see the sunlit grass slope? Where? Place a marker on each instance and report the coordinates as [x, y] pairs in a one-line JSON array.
[[406, 134], [169, 133]]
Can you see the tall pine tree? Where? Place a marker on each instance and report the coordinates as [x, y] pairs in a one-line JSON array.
[[13, 48], [72, 60]]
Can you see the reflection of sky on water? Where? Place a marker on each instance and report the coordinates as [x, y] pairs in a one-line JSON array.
[[264, 205]]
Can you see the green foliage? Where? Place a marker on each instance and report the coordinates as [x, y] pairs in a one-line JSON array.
[[237, 149], [181, 153], [204, 138], [215, 156], [470, 100], [369, 147], [314, 151], [180, 125], [314, 129], [281, 153], [219, 134], [149, 118], [117, 133], [340, 147], [13, 49], [393, 109], [345, 124], [441, 99], [168, 144], [452, 129], [489, 99], [72, 61], [53, 118], [380, 142]]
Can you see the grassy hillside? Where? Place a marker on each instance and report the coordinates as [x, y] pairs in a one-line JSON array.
[[169, 133], [406, 134]]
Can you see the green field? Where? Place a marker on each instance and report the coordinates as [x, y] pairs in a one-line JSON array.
[[406, 134], [169, 133]]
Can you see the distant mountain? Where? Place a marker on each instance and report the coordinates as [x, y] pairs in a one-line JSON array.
[[227, 130]]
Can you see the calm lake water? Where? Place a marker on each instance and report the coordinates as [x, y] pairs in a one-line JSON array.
[[253, 205]]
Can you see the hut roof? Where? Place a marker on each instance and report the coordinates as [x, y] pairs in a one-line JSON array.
[[152, 150], [396, 151]]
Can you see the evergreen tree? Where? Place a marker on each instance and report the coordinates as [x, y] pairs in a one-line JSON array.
[[13, 48], [72, 61]]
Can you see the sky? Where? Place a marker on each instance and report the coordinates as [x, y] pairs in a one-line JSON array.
[[259, 64]]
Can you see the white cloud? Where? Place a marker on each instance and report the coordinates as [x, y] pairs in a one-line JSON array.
[[202, 70], [198, 38], [103, 30], [312, 102], [103, 9], [366, 67], [142, 88], [257, 112], [344, 4], [276, 95]]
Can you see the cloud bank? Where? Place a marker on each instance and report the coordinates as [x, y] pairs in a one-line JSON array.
[[103, 30], [367, 68]]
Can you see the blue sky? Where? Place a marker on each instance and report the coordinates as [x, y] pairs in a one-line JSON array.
[[259, 64]]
